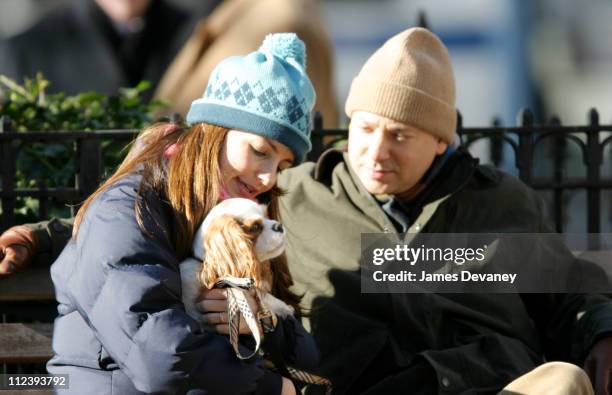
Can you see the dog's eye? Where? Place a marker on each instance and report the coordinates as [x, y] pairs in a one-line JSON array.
[[256, 227]]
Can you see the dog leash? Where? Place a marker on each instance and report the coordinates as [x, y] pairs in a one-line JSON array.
[[307, 378], [238, 306]]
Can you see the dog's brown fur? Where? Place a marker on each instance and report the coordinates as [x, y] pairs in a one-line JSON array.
[[230, 251]]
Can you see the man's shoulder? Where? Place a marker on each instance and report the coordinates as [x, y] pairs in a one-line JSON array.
[[491, 200], [493, 181], [112, 216], [313, 172], [289, 179], [491, 190]]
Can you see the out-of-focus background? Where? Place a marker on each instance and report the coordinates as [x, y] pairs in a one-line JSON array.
[[552, 56]]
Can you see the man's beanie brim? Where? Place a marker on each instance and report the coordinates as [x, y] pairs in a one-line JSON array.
[[409, 79], [404, 104]]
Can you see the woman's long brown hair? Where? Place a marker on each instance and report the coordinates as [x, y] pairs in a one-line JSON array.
[[190, 182]]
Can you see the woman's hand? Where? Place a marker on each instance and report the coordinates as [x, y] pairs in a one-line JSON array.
[[213, 305], [288, 388]]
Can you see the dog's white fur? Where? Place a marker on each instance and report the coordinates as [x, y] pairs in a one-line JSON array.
[[270, 244]]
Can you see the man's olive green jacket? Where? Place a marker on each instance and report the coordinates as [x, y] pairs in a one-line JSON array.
[[476, 343]]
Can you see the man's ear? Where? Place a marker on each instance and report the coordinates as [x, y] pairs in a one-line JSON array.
[[441, 146]]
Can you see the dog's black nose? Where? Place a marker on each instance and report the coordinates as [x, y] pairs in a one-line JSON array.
[[277, 227]]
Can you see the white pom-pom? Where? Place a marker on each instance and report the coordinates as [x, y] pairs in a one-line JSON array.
[[286, 46]]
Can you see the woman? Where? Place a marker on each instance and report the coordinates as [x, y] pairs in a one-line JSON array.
[[122, 328]]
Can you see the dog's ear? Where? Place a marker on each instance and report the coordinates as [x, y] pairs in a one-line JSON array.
[[229, 251]]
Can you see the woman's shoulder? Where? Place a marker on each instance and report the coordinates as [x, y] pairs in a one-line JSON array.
[[124, 190], [123, 195], [111, 235], [112, 214]]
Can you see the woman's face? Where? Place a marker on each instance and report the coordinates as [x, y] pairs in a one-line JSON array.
[[250, 163]]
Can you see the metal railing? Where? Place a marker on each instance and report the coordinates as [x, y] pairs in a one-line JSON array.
[[592, 139]]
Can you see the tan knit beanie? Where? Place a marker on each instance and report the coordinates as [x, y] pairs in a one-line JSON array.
[[409, 79]]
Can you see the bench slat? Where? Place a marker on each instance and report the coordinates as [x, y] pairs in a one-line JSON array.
[[25, 343], [33, 284]]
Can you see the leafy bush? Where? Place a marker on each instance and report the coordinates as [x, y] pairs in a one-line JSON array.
[[30, 108]]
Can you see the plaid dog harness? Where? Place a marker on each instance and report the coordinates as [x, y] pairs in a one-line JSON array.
[[238, 306]]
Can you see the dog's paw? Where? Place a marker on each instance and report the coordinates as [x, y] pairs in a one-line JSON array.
[[277, 306]]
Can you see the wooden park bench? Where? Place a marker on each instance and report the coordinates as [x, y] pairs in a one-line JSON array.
[[25, 342]]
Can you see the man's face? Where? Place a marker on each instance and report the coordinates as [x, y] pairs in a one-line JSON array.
[[122, 11], [389, 157]]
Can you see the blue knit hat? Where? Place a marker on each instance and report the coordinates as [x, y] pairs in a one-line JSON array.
[[266, 92]]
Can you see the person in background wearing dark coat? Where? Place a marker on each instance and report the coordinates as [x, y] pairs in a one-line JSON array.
[[99, 45], [122, 327]]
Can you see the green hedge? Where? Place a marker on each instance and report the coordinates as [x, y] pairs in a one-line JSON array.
[[30, 108]]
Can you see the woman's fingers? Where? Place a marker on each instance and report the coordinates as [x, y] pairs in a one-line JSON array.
[[212, 305], [215, 318], [223, 329], [215, 293]]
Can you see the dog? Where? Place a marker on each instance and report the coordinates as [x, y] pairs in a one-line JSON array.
[[235, 240]]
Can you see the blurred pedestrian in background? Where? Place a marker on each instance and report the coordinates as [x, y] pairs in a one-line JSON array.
[[103, 45], [98, 45], [237, 27]]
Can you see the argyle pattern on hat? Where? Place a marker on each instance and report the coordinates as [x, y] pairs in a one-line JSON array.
[[276, 102], [266, 92]]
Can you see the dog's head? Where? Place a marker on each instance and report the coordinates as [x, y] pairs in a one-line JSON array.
[[234, 238]]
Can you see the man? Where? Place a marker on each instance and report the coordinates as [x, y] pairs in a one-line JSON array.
[[99, 45], [399, 175]]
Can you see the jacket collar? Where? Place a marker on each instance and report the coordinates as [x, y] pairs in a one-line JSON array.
[[443, 179], [326, 164], [448, 173], [449, 178]]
